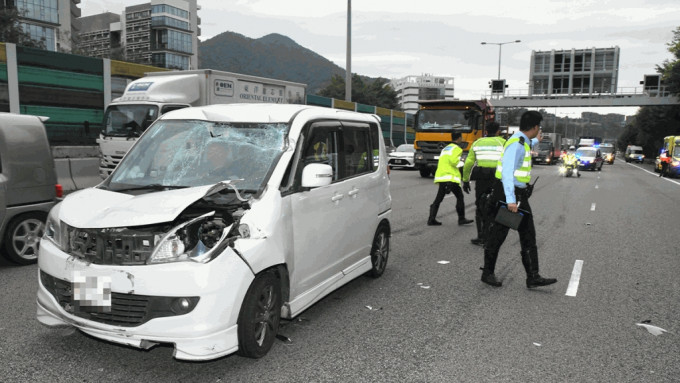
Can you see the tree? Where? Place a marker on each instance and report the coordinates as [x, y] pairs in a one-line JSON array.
[[377, 92], [670, 69], [652, 123], [11, 31]]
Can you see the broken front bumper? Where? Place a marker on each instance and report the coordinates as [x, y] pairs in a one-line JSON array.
[[144, 306]]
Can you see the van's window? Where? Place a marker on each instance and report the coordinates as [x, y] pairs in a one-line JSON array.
[[358, 156], [177, 153], [322, 148]]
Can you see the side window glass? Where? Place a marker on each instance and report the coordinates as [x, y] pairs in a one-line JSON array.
[[322, 148], [358, 157]]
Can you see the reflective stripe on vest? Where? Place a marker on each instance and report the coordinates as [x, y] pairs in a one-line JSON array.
[[488, 151], [523, 174]]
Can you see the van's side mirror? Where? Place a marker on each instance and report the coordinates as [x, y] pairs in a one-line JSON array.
[[316, 175]]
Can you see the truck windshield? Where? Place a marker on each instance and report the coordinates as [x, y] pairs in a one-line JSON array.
[[544, 145], [187, 153], [128, 120], [447, 119]]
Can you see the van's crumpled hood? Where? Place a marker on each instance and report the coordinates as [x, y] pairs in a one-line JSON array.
[[97, 208]]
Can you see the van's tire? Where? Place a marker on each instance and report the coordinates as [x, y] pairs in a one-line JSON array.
[[380, 251], [22, 237], [258, 320], [424, 172]]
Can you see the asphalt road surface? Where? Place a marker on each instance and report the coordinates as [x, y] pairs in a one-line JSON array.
[[433, 321]]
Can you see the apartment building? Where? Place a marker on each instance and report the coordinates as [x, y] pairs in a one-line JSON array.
[[51, 21], [575, 71], [410, 89], [162, 33]]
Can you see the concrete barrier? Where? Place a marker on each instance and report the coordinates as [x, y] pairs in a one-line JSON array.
[[85, 172], [77, 166], [63, 168]]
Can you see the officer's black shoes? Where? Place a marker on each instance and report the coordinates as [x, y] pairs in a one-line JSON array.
[[433, 222], [477, 241], [539, 281], [490, 279], [464, 221]]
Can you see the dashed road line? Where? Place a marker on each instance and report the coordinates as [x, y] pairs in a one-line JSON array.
[[592, 207], [575, 278]]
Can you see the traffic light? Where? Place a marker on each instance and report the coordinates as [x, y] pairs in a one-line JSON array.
[[498, 86]]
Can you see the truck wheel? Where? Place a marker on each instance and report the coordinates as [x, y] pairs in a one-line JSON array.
[[258, 320], [424, 172], [22, 237]]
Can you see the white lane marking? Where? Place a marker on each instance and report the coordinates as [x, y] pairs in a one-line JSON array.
[[653, 173], [575, 277], [592, 207]]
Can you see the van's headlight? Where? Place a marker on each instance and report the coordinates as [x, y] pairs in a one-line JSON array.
[[199, 240], [53, 228]]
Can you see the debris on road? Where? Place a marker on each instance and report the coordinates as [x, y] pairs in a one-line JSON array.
[[652, 329], [371, 308], [443, 262], [422, 286]]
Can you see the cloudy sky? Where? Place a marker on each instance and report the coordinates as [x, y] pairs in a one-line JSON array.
[[393, 38]]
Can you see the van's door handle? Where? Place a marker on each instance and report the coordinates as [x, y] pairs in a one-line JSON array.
[[337, 197], [353, 192]]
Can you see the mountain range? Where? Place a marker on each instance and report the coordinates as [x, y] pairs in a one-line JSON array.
[[273, 56]]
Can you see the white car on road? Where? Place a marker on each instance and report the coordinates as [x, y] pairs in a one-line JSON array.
[[220, 221], [402, 157]]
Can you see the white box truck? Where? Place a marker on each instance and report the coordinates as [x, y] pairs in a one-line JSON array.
[[145, 99]]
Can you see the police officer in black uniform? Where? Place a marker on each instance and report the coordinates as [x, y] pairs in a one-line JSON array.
[[512, 187]]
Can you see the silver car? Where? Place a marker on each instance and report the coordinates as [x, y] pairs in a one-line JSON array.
[[402, 157], [28, 185]]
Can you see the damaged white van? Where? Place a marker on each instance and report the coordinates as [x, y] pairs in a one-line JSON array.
[[220, 221]]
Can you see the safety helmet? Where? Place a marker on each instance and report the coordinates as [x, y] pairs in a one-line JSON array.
[[572, 147]]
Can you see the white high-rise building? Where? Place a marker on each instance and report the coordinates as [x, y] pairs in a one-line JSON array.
[[410, 89]]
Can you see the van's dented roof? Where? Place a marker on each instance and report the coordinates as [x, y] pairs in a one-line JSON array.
[[261, 113]]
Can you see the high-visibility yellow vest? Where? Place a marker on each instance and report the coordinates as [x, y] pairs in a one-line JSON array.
[[523, 174], [447, 167], [486, 152]]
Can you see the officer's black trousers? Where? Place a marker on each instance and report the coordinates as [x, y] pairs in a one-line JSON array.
[[498, 233], [444, 187], [482, 186]]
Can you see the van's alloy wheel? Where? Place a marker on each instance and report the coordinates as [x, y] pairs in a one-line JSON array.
[[22, 237], [258, 320], [380, 251]]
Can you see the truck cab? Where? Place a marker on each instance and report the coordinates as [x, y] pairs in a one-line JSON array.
[[437, 119]]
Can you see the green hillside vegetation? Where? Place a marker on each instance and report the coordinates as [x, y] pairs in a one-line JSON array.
[[273, 56]]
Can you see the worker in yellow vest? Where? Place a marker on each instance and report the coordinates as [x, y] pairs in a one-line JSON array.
[[480, 166], [448, 178], [513, 189]]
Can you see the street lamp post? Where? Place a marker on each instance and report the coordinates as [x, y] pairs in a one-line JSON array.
[[500, 45]]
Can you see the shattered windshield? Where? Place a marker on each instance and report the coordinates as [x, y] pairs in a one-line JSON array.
[[447, 119], [128, 120], [190, 153]]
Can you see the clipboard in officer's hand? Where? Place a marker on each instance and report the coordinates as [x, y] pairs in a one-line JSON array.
[[507, 218]]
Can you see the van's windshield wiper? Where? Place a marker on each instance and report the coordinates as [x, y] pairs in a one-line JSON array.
[[150, 187]]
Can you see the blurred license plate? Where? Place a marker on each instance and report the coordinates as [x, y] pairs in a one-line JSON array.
[[436, 157], [399, 161], [92, 291]]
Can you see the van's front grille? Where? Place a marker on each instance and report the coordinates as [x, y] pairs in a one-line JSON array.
[[127, 310], [111, 246]]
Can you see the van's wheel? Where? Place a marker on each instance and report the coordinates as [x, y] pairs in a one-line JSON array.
[[380, 251], [22, 237], [424, 172], [258, 320]]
